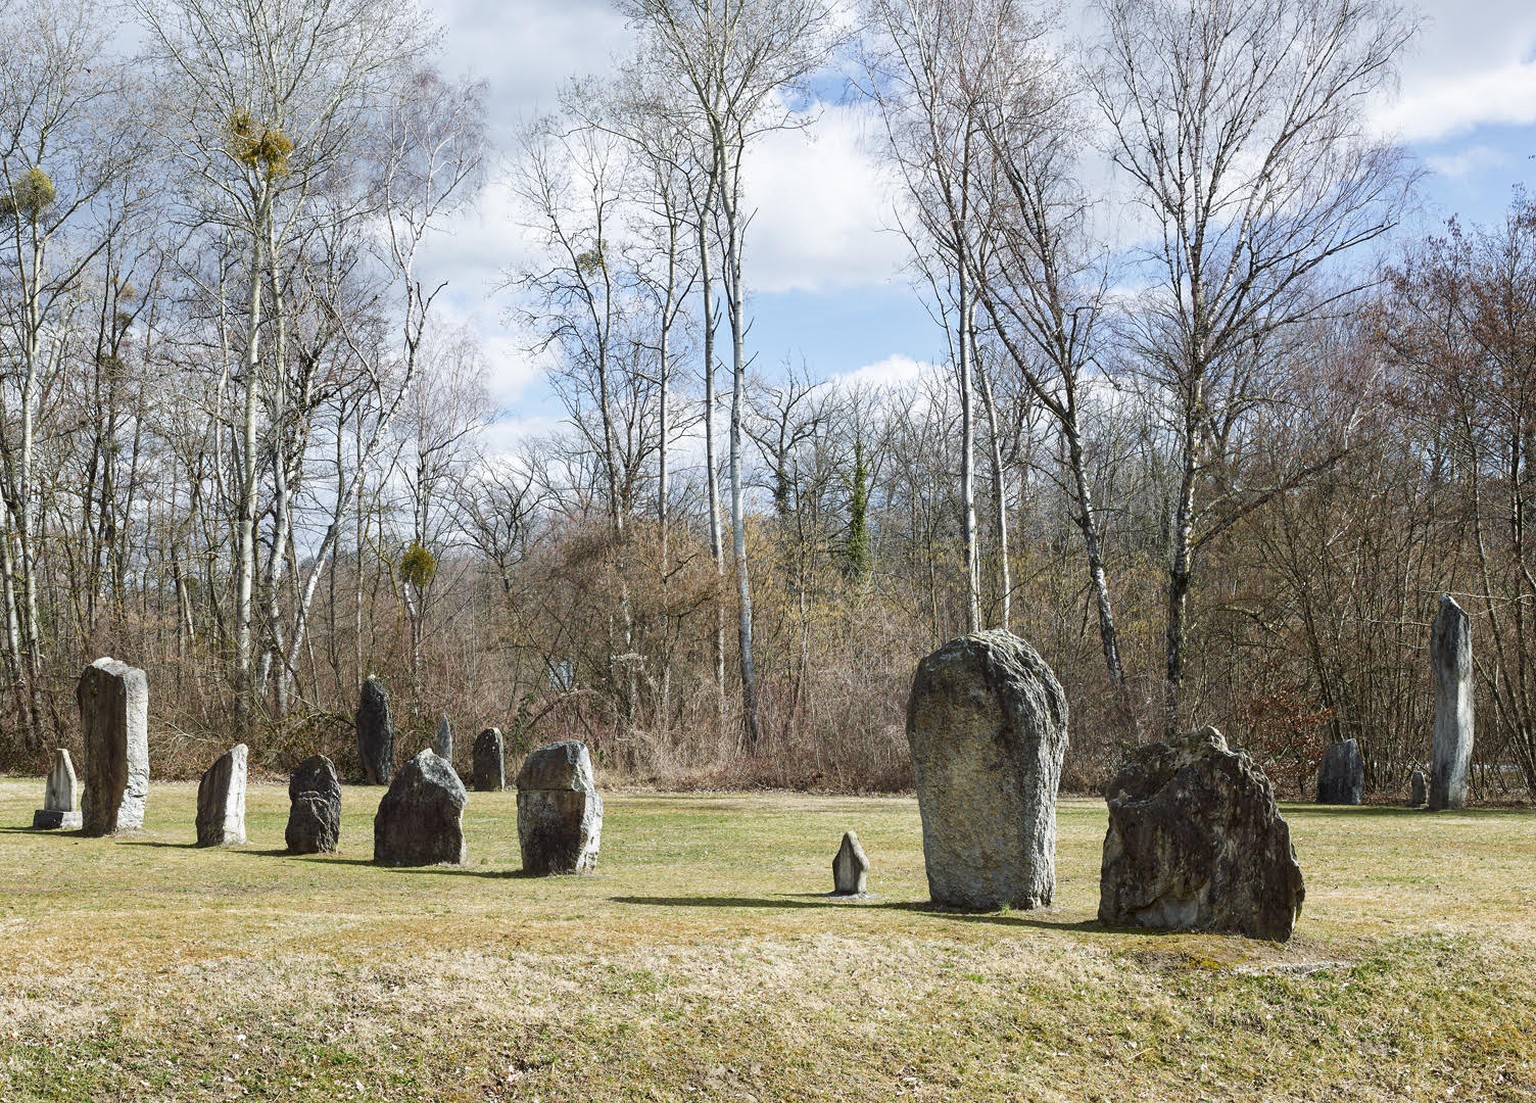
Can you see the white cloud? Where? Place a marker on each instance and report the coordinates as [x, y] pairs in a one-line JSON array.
[[1456, 103], [823, 208], [896, 370], [1467, 162]]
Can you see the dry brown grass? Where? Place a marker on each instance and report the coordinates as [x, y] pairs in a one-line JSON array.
[[704, 963]]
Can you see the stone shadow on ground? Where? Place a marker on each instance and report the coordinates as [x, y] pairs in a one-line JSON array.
[[821, 900], [443, 870]]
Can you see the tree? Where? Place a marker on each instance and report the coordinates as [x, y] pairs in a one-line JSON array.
[[1241, 129], [734, 59], [266, 106]]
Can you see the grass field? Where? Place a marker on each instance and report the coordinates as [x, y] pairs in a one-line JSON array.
[[704, 963]]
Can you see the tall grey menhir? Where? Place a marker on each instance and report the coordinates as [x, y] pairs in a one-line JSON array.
[[1450, 652]]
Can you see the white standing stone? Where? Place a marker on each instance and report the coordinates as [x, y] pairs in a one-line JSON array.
[[221, 800], [1450, 651], [850, 869], [59, 795], [114, 714]]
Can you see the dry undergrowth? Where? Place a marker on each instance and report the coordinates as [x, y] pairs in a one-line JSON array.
[[704, 963]]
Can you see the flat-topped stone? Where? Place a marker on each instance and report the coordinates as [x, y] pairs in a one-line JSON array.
[[221, 800], [1341, 777], [114, 719], [420, 819], [559, 814]]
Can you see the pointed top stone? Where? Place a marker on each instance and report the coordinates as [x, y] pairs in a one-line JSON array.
[[850, 869]]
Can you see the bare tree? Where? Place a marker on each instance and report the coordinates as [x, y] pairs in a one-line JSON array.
[[734, 59], [1241, 129]]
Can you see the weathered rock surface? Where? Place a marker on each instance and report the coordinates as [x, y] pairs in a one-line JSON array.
[[1450, 653], [420, 819], [375, 733], [444, 743], [1195, 842], [850, 869], [114, 716], [1418, 789], [490, 761], [559, 814], [60, 793], [1341, 777], [987, 723], [314, 813], [221, 800]]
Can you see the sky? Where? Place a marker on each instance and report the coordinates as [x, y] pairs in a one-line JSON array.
[[825, 271]]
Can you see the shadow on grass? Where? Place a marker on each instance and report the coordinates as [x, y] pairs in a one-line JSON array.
[[441, 871], [820, 900]]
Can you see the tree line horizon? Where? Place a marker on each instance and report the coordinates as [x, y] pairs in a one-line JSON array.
[[1220, 475]]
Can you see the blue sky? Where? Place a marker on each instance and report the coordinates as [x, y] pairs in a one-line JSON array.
[[824, 268]]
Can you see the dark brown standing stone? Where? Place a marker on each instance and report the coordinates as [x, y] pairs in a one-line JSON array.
[[1341, 777], [375, 733], [987, 723], [314, 814], [1195, 842], [420, 819], [1418, 789], [559, 814], [490, 761]]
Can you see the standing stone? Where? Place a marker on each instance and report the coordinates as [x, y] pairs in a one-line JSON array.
[[314, 813], [444, 745], [375, 733], [59, 795], [1418, 789], [420, 819], [221, 800], [1195, 842], [1341, 777], [850, 869], [987, 723], [114, 715], [490, 761], [1450, 651], [559, 814]]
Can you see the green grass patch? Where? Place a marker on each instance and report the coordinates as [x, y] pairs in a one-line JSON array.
[[704, 961]]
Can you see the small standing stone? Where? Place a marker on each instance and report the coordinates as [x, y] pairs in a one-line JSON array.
[[375, 733], [559, 814], [114, 714], [1450, 651], [221, 800], [420, 819], [444, 745], [850, 869], [59, 796], [1195, 842], [490, 761], [987, 723], [1418, 789], [1341, 778], [314, 814]]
